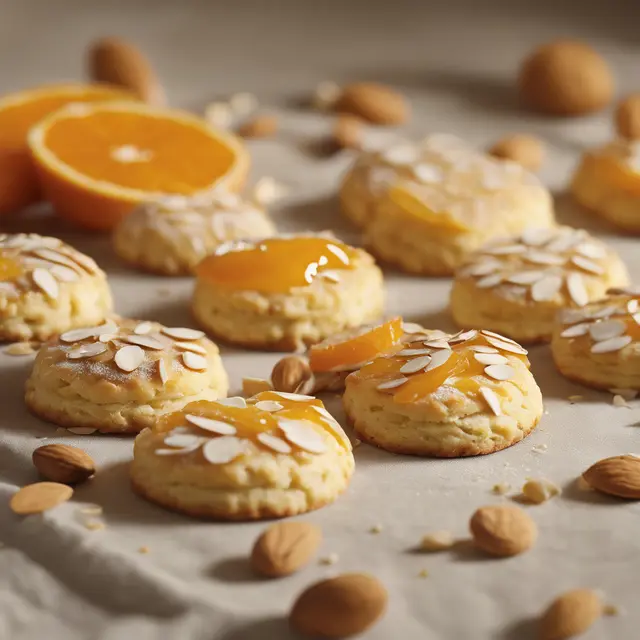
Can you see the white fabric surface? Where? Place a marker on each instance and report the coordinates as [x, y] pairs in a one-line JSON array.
[[62, 582]]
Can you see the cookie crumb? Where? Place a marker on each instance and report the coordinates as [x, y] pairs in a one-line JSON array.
[[575, 398], [326, 95], [93, 510], [627, 394], [218, 114], [19, 349], [423, 573], [437, 541], [94, 525], [268, 190], [356, 443], [144, 550], [501, 489], [619, 401], [539, 448], [332, 558], [611, 610], [539, 491], [243, 103], [376, 528]]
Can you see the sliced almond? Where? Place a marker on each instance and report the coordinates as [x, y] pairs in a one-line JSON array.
[[607, 329], [570, 614], [503, 530], [234, 401], [62, 463], [525, 277], [339, 607], [611, 345], [223, 449], [302, 434], [194, 361], [490, 358], [511, 347], [274, 442], [415, 364], [181, 440], [438, 359], [500, 371], [492, 399], [576, 330], [145, 341], [539, 491], [45, 282], [270, 406], [577, 290], [19, 349], [191, 346], [87, 351], [617, 476], [182, 333], [546, 288], [76, 335], [284, 548], [162, 371], [391, 384], [143, 328], [490, 281], [64, 274], [209, 424], [587, 265], [129, 358], [39, 497]]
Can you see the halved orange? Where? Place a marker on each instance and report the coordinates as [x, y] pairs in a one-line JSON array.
[[97, 161], [18, 113], [350, 349]]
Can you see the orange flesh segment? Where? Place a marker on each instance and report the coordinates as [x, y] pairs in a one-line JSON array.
[[411, 204], [276, 265], [361, 348], [174, 156], [9, 269], [250, 421]]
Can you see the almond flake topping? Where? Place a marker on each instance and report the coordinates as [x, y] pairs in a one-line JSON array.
[[500, 371], [413, 352], [194, 361], [490, 358], [438, 359], [299, 433], [143, 328], [64, 274], [437, 344], [81, 431], [268, 405], [492, 400], [577, 290], [525, 277], [234, 401], [506, 346], [191, 346], [413, 327], [162, 371], [391, 384], [412, 366], [145, 341], [576, 330], [182, 333], [45, 282], [632, 306], [463, 336], [296, 397], [129, 358], [587, 265], [181, 440], [222, 450], [87, 351], [607, 329], [209, 424], [274, 442], [490, 281], [76, 335], [613, 344], [546, 289], [482, 349]]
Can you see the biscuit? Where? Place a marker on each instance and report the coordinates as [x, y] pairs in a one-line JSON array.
[[426, 206], [119, 377], [47, 287], [607, 182], [463, 395], [271, 456], [286, 292], [172, 235], [599, 345], [517, 285]]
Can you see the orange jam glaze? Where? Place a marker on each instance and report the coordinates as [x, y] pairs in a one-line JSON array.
[[615, 173], [249, 421], [9, 269], [633, 329], [276, 265], [461, 369]]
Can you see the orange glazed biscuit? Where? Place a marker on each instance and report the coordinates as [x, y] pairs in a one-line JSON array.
[[123, 375], [517, 285], [172, 235], [271, 456], [599, 345], [608, 182], [47, 286], [426, 206], [286, 292], [463, 395]]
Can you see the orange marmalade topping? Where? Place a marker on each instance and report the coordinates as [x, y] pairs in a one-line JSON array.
[[261, 415], [277, 265], [460, 370], [9, 269], [353, 348]]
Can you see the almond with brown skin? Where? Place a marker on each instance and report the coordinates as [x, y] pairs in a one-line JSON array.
[[375, 103], [39, 497], [618, 476], [263, 126], [284, 548], [503, 530], [526, 150], [62, 463], [118, 62], [570, 614], [348, 132], [292, 374], [340, 607], [627, 117]]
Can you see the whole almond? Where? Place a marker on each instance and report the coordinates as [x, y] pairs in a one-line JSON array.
[[570, 614], [348, 132], [39, 497], [339, 607], [62, 463], [262, 126], [375, 103], [618, 476], [503, 530], [292, 374], [120, 63], [526, 150], [627, 117], [284, 548]]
